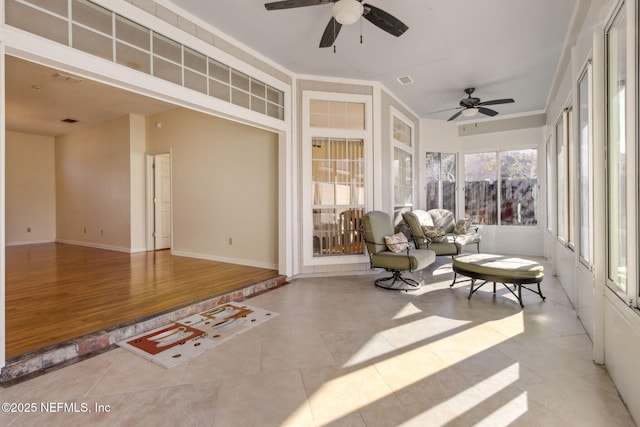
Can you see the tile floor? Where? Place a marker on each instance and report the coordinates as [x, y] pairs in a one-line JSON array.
[[344, 353]]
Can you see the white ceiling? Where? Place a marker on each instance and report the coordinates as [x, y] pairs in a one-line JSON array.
[[37, 101], [503, 48]]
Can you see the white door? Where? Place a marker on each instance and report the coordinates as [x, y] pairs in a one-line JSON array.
[[162, 201]]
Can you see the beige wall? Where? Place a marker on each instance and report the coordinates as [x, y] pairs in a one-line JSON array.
[[30, 188], [94, 185], [224, 186]]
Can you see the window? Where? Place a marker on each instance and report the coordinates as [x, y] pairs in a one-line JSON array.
[[335, 135], [402, 139], [402, 178], [481, 188], [571, 178], [440, 184], [616, 60], [560, 181], [519, 187], [338, 195], [549, 181], [585, 182], [566, 177], [501, 188]]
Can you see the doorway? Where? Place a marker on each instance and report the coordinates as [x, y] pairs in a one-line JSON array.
[[159, 202]]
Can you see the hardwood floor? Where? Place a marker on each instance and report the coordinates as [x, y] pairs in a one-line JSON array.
[[56, 291]]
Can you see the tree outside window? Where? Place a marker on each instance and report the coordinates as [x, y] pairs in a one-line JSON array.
[[515, 193], [440, 184], [481, 188], [519, 187]]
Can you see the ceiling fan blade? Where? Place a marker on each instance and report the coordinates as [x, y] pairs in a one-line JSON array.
[[290, 4], [497, 101], [455, 116], [384, 20], [487, 111], [446, 109], [330, 33]]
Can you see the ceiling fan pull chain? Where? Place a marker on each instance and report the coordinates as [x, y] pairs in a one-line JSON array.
[[335, 36], [360, 30]]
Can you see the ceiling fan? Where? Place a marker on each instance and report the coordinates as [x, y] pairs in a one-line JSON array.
[[346, 12], [470, 106]]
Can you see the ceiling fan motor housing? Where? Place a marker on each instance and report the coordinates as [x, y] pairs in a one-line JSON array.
[[469, 102]]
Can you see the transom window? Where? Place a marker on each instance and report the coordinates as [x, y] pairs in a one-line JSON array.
[[98, 31]]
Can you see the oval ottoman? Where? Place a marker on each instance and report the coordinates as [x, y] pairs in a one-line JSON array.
[[499, 269]]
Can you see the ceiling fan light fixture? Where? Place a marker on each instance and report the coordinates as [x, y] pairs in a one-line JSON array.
[[469, 112], [347, 12]]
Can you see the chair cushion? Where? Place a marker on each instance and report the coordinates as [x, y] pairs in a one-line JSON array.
[[443, 218], [397, 242], [499, 265], [376, 225], [467, 239], [436, 234], [416, 260], [462, 226]]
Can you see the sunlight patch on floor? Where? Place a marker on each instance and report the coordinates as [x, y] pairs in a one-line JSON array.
[[443, 269], [407, 311], [481, 393]]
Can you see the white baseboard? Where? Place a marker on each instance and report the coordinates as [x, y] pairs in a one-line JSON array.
[[29, 242], [96, 245], [248, 263]]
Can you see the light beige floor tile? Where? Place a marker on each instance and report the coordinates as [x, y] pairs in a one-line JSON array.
[[355, 349], [419, 375], [237, 357], [351, 420], [420, 414], [171, 406], [491, 366], [272, 399], [423, 330], [336, 393], [283, 353], [547, 359], [581, 403], [490, 406], [578, 345], [133, 373], [99, 411]]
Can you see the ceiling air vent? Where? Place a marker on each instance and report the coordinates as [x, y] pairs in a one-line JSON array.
[[405, 80], [70, 120], [66, 78]]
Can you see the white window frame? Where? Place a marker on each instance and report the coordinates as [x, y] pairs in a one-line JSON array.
[[571, 180], [499, 153], [627, 295], [408, 149], [308, 133], [561, 217], [550, 167], [585, 77], [459, 212]]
